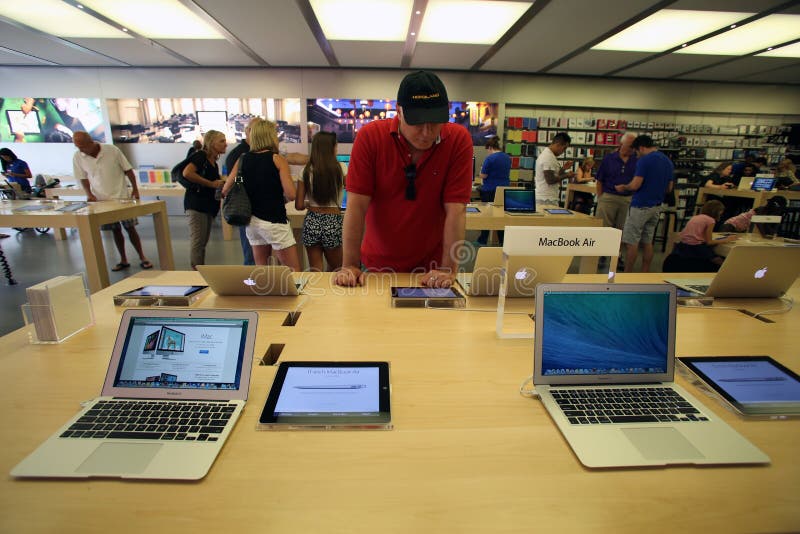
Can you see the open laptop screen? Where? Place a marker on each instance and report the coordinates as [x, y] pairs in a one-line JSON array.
[[189, 353], [519, 200], [763, 184], [605, 333]]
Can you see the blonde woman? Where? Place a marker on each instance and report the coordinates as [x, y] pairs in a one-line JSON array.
[[199, 202], [269, 186], [584, 173]]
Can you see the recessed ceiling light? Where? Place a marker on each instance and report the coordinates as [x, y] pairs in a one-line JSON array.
[[749, 38], [156, 19], [58, 18], [667, 29], [336, 17], [792, 50], [440, 26]]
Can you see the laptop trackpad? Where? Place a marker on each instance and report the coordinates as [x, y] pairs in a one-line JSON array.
[[661, 443], [120, 458]]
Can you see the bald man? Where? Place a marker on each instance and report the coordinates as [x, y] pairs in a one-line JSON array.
[[101, 170]]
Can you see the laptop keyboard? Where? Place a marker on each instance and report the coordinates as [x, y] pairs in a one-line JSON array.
[[153, 420], [700, 288], [624, 405]]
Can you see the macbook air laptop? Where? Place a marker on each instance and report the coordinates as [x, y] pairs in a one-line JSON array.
[[749, 271], [500, 195], [177, 382], [252, 280], [745, 183], [519, 201], [603, 368], [527, 272]]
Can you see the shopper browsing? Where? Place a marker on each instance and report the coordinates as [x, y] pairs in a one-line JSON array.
[[269, 185], [320, 192], [408, 183]]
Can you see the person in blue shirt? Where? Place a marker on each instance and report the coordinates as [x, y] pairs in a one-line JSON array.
[[494, 173], [15, 170], [651, 181]]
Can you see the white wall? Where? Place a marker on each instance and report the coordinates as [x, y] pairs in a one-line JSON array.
[[772, 102]]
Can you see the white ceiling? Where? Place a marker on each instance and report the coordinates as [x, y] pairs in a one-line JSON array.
[[555, 38]]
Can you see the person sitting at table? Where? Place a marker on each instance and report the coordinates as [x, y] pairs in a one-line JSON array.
[[786, 173], [16, 170], [697, 241], [583, 202], [721, 177], [741, 223]]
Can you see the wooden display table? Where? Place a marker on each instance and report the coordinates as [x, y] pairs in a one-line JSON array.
[[88, 221], [467, 452]]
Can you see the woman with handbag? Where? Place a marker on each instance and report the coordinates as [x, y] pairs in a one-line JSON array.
[[269, 185], [199, 201]]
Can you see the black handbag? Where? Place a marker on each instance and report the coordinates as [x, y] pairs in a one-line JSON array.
[[236, 207]]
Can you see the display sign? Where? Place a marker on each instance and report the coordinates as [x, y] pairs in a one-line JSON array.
[[345, 117], [185, 120], [50, 120]]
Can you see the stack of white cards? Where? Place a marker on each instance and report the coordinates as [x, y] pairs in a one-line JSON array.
[[59, 307]]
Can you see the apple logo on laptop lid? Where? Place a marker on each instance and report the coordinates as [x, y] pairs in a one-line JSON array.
[[249, 282], [761, 273]]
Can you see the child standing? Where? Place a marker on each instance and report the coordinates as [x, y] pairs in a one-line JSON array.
[[320, 191], [696, 240]]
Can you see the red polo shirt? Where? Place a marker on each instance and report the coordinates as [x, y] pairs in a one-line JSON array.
[[406, 235]]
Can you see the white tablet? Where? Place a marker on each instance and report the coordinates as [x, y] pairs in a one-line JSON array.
[[750, 385]]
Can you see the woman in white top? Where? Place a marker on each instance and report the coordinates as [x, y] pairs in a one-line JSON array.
[[320, 191]]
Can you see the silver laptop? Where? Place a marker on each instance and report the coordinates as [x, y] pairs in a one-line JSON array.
[[499, 194], [519, 202], [603, 367], [745, 183], [527, 272], [176, 385], [252, 280], [749, 271]]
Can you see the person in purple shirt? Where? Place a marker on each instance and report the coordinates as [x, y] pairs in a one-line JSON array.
[[616, 168], [651, 181]]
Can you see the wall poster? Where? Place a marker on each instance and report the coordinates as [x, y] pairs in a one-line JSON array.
[[345, 117], [184, 120], [50, 120]]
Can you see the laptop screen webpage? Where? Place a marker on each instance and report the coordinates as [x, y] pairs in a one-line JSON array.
[[763, 184], [184, 353], [519, 200], [605, 333]]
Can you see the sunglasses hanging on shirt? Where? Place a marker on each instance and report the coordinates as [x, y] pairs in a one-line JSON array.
[[411, 175]]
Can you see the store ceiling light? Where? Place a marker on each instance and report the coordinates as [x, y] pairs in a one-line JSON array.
[[443, 21], [757, 35], [669, 28], [363, 20], [58, 18], [156, 19], [792, 50]]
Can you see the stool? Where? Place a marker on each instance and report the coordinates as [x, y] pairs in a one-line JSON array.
[[669, 217]]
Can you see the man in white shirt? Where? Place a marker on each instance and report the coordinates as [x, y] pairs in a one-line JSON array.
[[101, 170], [549, 172]]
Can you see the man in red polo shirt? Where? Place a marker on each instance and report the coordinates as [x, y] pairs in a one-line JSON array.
[[408, 182]]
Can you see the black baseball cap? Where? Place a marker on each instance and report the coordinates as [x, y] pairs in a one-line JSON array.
[[423, 98]]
